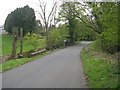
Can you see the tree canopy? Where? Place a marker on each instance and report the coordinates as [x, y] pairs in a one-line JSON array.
[[22, 18], [101, 17], [106, 18], [66, 15]]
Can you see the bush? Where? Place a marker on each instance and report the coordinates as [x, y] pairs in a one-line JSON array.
[[109, 41], [32, 40], [55, 40], [39, 36]]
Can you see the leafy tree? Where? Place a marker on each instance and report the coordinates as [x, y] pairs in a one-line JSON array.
[[85, 33], [67, 15], [63, 31], [21, 18], [79, 26], [82, 11], [106, 16]]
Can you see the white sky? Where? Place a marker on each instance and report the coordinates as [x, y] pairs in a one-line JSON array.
[[7, 6]]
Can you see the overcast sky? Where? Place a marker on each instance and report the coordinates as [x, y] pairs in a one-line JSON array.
[[7, 6]]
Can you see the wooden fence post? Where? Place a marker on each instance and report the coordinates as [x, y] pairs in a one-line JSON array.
[[21, 41], [15, 36]]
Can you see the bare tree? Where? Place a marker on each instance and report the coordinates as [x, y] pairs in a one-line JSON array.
[[47, 18]]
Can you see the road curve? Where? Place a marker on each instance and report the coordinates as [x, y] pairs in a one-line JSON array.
[[60, 69]]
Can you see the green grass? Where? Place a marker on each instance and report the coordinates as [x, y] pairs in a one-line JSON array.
[[17, 62], [0, 45], [6, 48], [27, 46], [6, 44], [100, 72]]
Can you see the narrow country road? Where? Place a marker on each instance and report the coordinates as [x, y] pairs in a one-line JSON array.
[[60, 69]]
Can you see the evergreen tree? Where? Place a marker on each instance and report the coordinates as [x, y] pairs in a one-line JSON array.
[[22, 18]]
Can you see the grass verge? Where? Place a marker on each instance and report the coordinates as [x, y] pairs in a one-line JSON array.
[[101, 72], [17, 62]]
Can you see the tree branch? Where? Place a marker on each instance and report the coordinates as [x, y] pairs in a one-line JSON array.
[[75, 12]]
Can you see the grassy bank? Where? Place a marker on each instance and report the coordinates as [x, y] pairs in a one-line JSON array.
[[10, 64], [100, 69], [6, 49], [27, 46], [0, 45]]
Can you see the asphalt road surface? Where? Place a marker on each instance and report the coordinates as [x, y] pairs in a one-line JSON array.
[[60, 69]]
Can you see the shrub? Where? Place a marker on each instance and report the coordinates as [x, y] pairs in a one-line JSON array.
[[109, 41], [32, 38], [55, 40]]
